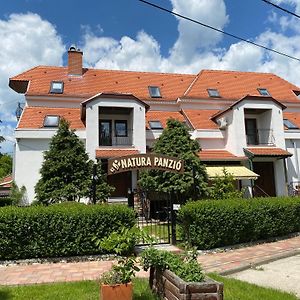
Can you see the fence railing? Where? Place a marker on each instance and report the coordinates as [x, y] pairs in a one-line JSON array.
[[113, 140], [260, 137]]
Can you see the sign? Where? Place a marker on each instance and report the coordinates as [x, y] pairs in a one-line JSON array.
[[145, 161], [176, 206]]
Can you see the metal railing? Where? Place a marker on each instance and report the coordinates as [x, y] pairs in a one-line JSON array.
[[113, 140], [260, 137]]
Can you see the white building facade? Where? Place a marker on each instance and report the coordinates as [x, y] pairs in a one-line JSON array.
[[243, 121]]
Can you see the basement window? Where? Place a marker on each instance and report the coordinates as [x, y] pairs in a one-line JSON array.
[[154, 91], [264, 92], [289, 125], [155, 125], [57, 87], [51, 121], [213, 93]]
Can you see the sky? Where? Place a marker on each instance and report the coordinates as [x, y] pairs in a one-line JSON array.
[[130, 35]]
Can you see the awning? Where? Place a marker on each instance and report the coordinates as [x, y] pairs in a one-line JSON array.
[[238, 172], [266, 152]]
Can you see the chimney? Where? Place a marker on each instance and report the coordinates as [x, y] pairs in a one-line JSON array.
[[74, 61]]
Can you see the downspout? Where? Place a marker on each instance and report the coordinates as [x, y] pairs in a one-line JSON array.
[[296, 159], [251, 180]]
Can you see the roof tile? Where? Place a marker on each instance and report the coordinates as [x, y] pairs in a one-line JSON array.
[[200, 119], [114, 152], [163, 116], [218, 155]]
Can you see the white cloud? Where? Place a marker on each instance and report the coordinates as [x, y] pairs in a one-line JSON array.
[[26, 41]]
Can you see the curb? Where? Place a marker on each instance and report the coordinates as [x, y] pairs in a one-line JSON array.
[[260, 262]]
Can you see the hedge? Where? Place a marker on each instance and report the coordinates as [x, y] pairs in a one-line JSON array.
[[216, 223], [58, 230]]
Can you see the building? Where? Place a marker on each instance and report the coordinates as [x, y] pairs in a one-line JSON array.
[[244, 121], [5, 186]]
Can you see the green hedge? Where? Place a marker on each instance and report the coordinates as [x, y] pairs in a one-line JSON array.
[[58, 230], [209, 224]]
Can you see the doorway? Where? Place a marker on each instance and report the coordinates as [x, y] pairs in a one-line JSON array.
[[265, 183]]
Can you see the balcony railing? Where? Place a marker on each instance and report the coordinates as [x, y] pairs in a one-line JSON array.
[[260, 137], [112, 140]]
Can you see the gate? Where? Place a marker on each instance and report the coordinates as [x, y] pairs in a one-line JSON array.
[[154, 214]]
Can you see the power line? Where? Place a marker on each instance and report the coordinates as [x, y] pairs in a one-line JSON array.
[[281, 8], [220, 31]]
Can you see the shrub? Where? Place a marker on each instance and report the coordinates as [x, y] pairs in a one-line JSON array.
[[208, 224], [58, 230]]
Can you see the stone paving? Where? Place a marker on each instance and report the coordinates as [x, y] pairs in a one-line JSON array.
[[229, 261]]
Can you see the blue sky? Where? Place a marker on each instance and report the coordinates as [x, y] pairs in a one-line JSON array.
[[130, 35]]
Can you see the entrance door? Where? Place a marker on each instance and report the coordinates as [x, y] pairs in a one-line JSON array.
[[251, 131], [105, 132], [121, 182], [265, 182]]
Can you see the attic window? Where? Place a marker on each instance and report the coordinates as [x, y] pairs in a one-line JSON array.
[[155, 125], [51, 121], [57, 87], [289, 125], [154, 91], [213, 93], [264, 92]]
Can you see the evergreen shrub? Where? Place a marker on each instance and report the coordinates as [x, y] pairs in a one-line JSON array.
[[215, 223], [64, 229]]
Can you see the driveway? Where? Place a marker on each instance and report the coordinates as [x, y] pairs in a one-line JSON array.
[[283, 274]]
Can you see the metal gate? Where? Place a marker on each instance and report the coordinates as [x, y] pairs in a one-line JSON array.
[[154, 213]]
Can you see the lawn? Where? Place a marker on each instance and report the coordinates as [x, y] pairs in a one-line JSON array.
[[89, 290], [160, 231]]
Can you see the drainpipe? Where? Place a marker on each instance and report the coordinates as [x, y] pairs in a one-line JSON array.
[[251, 180], [296, 159]]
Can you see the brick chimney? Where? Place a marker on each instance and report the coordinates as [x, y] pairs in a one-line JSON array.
[[74, 61]]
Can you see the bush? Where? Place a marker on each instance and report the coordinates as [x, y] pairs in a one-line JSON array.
[[208, 224], [58, 230]]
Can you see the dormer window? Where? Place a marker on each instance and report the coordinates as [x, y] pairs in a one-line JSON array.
[[51, 121], [213, 93], [155, 125], [154, 92], [264, 92], [289, 125], [57, 87]]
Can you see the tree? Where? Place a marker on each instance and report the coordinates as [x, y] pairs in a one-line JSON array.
[[2, 139], [5, 165], [66, 173], [175, 141]]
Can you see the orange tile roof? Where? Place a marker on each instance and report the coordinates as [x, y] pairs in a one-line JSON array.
[[200, 119], [33, 117], [266, 151], [6, 182], [294, 117], [235, 85], [163, 116], [95, 81], [113, 152], [218, 155]]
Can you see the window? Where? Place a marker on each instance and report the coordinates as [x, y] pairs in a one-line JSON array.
[[57, 87], [289, 125], [155, 125], [51, 121], [264, 92], [213, 93], [154, 91], [121, 128]]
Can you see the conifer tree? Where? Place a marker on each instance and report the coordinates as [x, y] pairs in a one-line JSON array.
[[175, 141], [66, 172]]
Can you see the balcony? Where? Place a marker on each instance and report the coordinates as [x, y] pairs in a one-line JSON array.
[[106, 139], [260, 137]]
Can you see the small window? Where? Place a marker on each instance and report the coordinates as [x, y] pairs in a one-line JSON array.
[[57, 87], [51, 121], [155, 125], [213, 93], [121, 128], [264, 92], [154, 91], [289, 125]]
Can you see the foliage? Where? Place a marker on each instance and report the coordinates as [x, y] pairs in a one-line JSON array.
[[5, 165], [16, 195], [223, 187], [175, 141], [123, 241], [64, 229], [215, 223], [2, 139], [66, 173], [184, 266]]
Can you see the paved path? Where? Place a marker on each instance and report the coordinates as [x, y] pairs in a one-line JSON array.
[[219, 262]]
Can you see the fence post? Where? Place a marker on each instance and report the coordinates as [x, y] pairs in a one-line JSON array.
[[173, 220]]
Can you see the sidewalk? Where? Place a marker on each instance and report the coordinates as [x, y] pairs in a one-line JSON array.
[[224, 263]]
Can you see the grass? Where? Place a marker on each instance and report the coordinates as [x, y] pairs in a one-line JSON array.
[[89, 290], [83, 290], [160, 231], [239, 290]]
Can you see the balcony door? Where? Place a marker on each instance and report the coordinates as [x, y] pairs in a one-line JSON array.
[[105, 138], [251, 131]]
